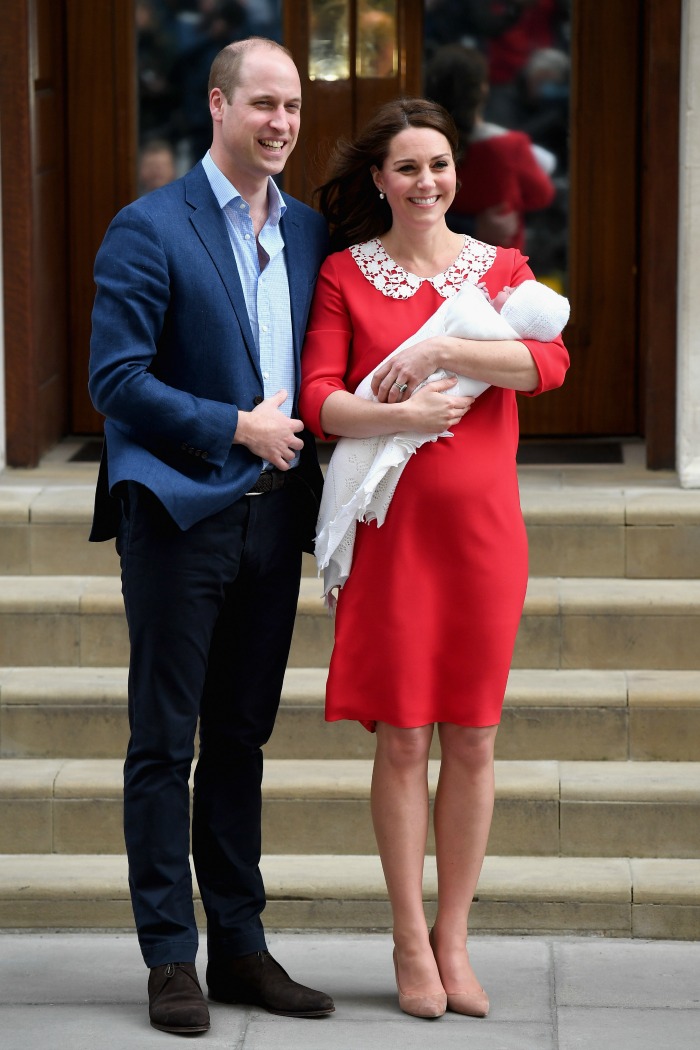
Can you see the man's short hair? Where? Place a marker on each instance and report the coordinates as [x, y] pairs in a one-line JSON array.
[[225, 70]]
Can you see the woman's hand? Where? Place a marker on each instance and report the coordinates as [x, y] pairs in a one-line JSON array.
[[433, 408], [398, 378]]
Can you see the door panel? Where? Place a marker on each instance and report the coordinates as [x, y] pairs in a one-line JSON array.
[[101, 135], [659, 225], [35, 274]]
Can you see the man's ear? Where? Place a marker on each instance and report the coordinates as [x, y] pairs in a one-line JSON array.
[[217, 100]]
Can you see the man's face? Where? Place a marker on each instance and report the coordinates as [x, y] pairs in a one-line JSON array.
[[256, 131]]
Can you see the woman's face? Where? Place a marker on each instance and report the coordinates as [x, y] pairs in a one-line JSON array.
[[418, 177]]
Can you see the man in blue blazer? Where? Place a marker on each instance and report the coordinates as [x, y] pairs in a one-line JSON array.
[[211, 487]]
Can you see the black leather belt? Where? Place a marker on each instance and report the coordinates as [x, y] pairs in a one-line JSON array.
[[269, 481]]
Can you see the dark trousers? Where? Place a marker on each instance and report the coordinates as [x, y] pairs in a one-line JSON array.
[[210, 613]]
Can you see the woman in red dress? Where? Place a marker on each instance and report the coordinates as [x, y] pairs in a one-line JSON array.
[[426, 622]]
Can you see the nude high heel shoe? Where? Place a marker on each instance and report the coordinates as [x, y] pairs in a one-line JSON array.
[[472, 1004], [419, 1005]]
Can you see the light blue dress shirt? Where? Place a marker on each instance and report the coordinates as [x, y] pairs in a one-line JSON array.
[[266, 291]]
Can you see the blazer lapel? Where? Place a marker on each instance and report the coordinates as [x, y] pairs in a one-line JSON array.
[[298, 277], [210, 225]]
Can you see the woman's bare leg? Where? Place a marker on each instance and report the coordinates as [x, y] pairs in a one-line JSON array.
[[462, 818], [400, 817]]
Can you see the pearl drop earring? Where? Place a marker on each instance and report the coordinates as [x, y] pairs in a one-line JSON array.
[[381, 195]]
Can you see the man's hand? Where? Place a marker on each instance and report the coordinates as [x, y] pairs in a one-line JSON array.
[[268, 433]]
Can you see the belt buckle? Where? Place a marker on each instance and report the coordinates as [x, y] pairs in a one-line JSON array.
[[265, 481]]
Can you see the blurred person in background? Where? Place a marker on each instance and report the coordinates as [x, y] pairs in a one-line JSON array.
[[503, 174]]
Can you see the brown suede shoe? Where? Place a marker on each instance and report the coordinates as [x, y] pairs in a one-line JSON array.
[[175, 1000], [258, 980]]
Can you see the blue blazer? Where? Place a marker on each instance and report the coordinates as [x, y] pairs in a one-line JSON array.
[[172, 354]]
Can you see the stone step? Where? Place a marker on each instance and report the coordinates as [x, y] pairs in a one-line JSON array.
[[633, 533], [545, 808], [568, 623], [44, 532], [627, 530], [80, 712], [618, 896]]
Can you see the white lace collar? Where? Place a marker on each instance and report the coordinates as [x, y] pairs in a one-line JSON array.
[[393, 281]]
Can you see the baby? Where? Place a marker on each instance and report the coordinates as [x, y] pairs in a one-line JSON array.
[[363, 472]]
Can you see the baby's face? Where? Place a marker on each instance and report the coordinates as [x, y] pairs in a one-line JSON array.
[[500, 298]]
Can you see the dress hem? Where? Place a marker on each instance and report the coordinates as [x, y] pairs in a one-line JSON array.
[[371, 726]]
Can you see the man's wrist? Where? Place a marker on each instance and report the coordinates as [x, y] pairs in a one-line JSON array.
[[241, 431]]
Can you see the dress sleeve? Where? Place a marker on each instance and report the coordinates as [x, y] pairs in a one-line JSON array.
[[324, 361], [551, 359]]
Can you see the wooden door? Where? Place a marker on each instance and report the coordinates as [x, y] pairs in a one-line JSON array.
[[601, 395], [338, 101], [34, 234], [101, 134], [623, 229]]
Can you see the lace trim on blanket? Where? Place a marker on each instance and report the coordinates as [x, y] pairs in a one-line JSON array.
[[474, 260]]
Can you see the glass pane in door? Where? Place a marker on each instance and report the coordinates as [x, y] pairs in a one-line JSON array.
[[377, 44], [329, 39], [503, 71]]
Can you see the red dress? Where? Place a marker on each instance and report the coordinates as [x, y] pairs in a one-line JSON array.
[[426, 623]]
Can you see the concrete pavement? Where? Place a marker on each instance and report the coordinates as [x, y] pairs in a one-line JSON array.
[[87, 991]]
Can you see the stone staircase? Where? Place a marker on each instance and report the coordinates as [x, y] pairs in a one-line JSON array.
[[597, 822]]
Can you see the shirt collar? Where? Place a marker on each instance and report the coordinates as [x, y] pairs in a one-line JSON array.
[[226, 193]]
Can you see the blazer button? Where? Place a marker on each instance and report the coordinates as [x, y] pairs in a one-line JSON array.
[[258, 399], [205, 455]]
